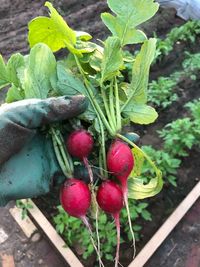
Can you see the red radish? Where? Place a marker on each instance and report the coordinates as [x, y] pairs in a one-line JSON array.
[[75, 198], [80, 144], [120, 162], [110, 199]]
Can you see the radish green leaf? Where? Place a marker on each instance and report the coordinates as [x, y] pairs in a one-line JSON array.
[[140, 113], [140, 75], [53, 31], [137, 189], [3, 73], [112, 59], [130, 13], [36, 80], [118, 28], [14, 94], [15, 62], [68, 84]]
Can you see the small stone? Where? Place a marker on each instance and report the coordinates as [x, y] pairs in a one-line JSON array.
[[3, 236], [40, 261], [30, 255], [18, 255], [36, 237], [25, 246]]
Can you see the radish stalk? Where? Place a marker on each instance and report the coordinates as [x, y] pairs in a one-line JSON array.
[[111, 103], [118, 111], [64, 161], [95, 104], [108, 112]]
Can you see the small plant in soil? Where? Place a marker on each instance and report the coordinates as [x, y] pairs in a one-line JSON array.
[[166, 162], [24, 206], [76, 236], [188, 32], [161, 92]]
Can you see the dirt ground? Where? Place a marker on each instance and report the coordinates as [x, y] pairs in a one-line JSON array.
[[84, 15], [35, 251], [182, 247]]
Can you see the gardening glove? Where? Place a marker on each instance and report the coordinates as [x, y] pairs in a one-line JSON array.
[[186, 9], [28, 166]]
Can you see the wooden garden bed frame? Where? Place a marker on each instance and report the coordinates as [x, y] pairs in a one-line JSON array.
[[144, 255]]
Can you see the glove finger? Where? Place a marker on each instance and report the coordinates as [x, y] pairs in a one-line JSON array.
[[63, 108], [33, 113]]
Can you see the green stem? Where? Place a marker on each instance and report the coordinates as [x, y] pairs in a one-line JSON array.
[[100, 116], [93, 101], [61, 153], [65, 154], [101, 168], [108, 112], [112, 108], [59, 157], [99, 110], [103, 149], [118, 111]]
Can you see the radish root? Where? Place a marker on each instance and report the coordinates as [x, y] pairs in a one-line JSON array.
[[85, 221]]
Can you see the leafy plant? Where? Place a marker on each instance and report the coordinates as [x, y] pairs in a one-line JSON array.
[[192, 62], [75, 234], [166, 162], [178, 137], [187, 32], [183, 134], [161, 92], [24, 206], [194, 108]]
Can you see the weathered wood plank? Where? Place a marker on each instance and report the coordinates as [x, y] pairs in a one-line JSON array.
[[53, 236]]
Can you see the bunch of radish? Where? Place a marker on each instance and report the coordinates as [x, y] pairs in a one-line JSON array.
[[111, 194]]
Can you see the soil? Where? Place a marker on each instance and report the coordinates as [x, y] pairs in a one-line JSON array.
[[84, 15], [25, 252]]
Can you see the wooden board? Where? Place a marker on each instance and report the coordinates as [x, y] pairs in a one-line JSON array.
[[166, 228], [26, 224], [53, 236]]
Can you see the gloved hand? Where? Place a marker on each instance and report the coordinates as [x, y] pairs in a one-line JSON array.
[[186, 9], [28, 166]]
